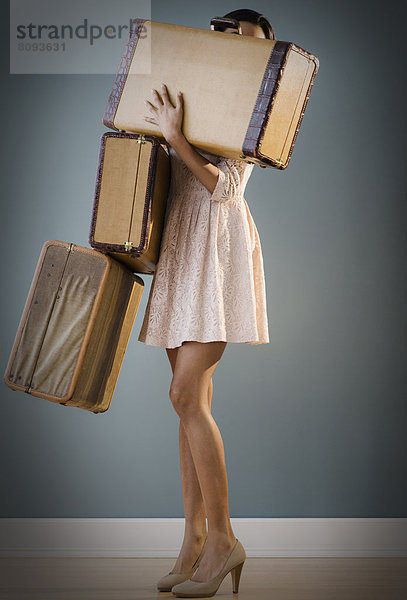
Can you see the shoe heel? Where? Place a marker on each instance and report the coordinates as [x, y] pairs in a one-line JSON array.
[[236, 572]]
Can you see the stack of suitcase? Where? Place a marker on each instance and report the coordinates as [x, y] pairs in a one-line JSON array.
[[82, 302]]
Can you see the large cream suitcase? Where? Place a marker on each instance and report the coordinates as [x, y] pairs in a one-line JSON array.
[[75, 327], [132, 183], [244, 97]]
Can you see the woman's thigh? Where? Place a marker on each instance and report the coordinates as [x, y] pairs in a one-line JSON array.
[[193, 368], [172, 356]]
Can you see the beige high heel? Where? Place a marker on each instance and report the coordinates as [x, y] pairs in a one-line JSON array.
[[168, 581], [203, 589]]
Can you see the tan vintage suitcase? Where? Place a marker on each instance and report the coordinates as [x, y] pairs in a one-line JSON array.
[[244, 97], [75, 327], [132, 183]]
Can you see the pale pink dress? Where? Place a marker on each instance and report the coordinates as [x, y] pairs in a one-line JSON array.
[[209, 281]]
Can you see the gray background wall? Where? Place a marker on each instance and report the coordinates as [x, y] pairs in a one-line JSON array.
[[314, 422]]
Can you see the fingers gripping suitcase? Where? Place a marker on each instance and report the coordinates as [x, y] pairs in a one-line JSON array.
[[75, 327], [244, 96], [129, 207]]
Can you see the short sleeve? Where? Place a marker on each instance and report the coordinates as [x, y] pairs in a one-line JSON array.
[[232, 179]]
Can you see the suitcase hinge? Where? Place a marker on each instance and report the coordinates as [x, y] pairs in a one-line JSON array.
[[141, 139], [249, 162], [128, 246], [28, 389]]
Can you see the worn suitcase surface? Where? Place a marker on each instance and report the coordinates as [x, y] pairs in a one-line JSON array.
[[75, 326], [131, 192], [244, 96]]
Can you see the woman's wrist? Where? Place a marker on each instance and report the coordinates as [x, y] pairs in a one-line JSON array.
[[175, 138], [202, 168]]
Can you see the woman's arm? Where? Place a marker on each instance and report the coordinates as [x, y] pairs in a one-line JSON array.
[[204, 170], [169, 119]]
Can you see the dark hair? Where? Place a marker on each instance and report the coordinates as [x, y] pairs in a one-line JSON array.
[[252, 16]]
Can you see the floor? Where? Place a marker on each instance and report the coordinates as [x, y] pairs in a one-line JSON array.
[[261, 579]]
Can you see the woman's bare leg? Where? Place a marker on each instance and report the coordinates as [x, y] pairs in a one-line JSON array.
[[194, 510], [193, 371]]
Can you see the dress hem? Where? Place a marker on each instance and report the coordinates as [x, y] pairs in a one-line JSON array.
[[204, 341]]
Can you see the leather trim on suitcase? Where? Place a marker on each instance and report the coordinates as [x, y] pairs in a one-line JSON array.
[[122, 72], [263, 107], [267, 91]]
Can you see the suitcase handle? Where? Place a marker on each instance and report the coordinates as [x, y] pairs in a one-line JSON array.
[[222, 22]]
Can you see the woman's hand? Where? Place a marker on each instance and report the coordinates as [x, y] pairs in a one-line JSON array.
[[165, 115], [169, 119]]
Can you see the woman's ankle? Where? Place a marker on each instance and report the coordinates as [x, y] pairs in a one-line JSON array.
[[195, 531], [195, 536], [221, 538]]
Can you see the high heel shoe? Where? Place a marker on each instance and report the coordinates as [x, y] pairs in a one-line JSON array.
[[168, 581], [203, 589]]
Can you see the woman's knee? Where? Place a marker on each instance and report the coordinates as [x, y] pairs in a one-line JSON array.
[[187, 399], [190, 386]]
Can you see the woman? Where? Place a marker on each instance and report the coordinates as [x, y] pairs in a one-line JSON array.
[[208, 288]]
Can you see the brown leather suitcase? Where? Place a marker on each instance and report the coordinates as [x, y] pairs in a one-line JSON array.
[[132, 184], [244, 96], [75, 327]]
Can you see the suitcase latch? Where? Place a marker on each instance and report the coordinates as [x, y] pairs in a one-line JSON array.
[[127, 246], [141, 139]]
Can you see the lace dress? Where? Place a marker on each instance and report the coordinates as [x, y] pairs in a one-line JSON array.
[[209, 280]]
